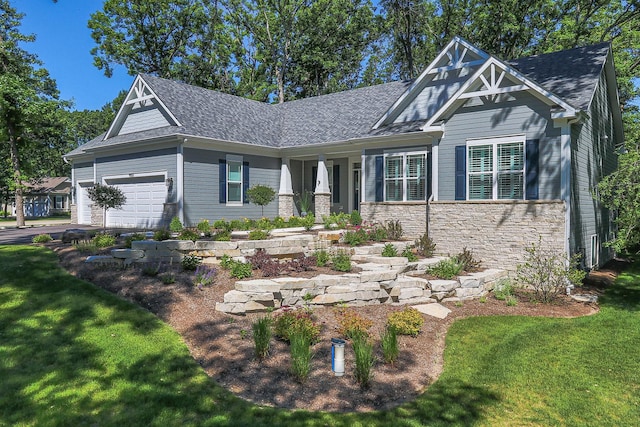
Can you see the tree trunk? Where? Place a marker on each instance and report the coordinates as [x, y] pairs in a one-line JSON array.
[[15, 162]]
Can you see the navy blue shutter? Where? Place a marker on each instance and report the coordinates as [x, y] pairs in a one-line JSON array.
[[379, 178], [461, 172], [532, 169], [222, 180], [245, 181], [336, 184]]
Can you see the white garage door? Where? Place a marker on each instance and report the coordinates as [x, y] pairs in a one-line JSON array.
[[83, 201], [145, 202]]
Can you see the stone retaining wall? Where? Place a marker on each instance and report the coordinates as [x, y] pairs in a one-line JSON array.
[[412, 215], [497, 232]]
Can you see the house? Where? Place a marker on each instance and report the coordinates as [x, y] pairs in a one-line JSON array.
[[45, 197], [481, 152]]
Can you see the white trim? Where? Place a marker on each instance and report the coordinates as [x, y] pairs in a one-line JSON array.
[[80, 207], [180, 180], [105, 178], [404, 178], [235, 159], [435, 148], [95, 170], [73, 183], [593, 264], [363, 166], [565, 181]]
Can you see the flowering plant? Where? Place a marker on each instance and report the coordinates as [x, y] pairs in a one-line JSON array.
[[204, 276]]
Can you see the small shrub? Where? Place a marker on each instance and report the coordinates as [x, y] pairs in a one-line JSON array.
[[355, 237], [322, 257], [290, 321], [364, 359], [262, 336], [341, 261], [190, 262], [409, 255], [377, 233], [175, 225], [204, 227], [226, 262], [394, 230], [278, 222], [240, 270], [503, 289], [258, 234], [161, 235], [467, 260], [483, 299], [188, 234], [355, 218], [389, 250], [446, 269], [221, 224], [308, 221], [222, 236], [42, 238], [168, 278], [103, 240], [548, 273], [136, 237], [259, 259], [351, 324], [204, 276], [425, 245], [261, 195], [302, 263], [389, 344], [86, 247], [272, 268], [511, 301], [150, 270], [406, 322], [300, 355], [237, 224], [336, 220]]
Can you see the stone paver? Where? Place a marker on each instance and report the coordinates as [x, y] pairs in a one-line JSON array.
[[585, 298], [435, 310]]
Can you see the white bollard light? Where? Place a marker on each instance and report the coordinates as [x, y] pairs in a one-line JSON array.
[[337, 356]]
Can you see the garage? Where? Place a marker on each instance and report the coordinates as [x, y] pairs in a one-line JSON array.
[[145, 202], [84, 203]]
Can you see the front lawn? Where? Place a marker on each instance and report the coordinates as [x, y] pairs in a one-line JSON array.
[[72, 354]]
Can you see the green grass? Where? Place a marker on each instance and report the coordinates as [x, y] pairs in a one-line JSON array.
[[72, 354]]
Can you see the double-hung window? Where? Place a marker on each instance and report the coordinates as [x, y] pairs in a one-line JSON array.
[[234, 179], [405, 177], [496, 168], [58, 202]]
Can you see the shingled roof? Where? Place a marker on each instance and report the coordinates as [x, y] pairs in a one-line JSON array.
[[572, 75]]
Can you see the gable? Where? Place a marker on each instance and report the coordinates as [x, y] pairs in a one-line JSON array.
[[142, 110]]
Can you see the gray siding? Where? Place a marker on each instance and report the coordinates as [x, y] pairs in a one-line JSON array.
[[201, 191], [136, 163], [83, 171], [143, 119], [523, 115], [593, 157], [427, 102]]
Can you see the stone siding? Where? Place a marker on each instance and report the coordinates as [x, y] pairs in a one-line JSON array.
[[74, 214], [497, 232], [412, 215], [97, 216], [322, 205], [285, 206]]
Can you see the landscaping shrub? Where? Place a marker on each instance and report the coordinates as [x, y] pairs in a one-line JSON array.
[[103, 240], [548, 272], [351, 324], [389, 344], [336, 220], [188, 234], [469, 263], [168, 278], [86, 247], [238, 224], [259, 259], [175, 225], [258, 234], [407, 252], [355, 218], [377, 233], [42, 238], [190, 262], [446, 269], [240, 270], [294, 221], [226, 262], [300, 355], [290, 321], [278, 222], [364, 359], [136, 237], [389, 250], [261, 195], [511, 301], [151, 270], [222, 236], [341, 261], [302, 263], [425, 245], [261, 336], [204, 227], [308, 221], [204, 276], [503, 289], [221, 224], [406, 322], [355, 237], [322, 257], [161, 235], [394, 230]]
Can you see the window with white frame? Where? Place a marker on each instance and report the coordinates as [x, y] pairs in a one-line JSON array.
[[496, 169], [595, 251], [58, 202], [234, 179], [405, 177]]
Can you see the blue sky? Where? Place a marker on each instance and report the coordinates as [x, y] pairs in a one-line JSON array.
[[63, 43]]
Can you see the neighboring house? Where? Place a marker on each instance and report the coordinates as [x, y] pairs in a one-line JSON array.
[[482, 153], [45, 197]]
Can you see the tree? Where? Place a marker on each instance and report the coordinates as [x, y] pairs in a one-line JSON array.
[[106, 197], [29, 107], [261, 195]]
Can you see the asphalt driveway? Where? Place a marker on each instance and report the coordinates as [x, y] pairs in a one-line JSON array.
[[12, 235]]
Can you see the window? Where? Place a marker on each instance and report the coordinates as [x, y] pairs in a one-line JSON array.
[[404, 177], [58, 202], [496, 169], [234, 179], [595, 251]]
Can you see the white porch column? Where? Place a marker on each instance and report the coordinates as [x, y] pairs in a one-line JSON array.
[[322, 191], [285, 193], [565, 181]]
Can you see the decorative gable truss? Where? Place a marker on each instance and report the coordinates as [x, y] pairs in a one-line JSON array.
[[141, 110]]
